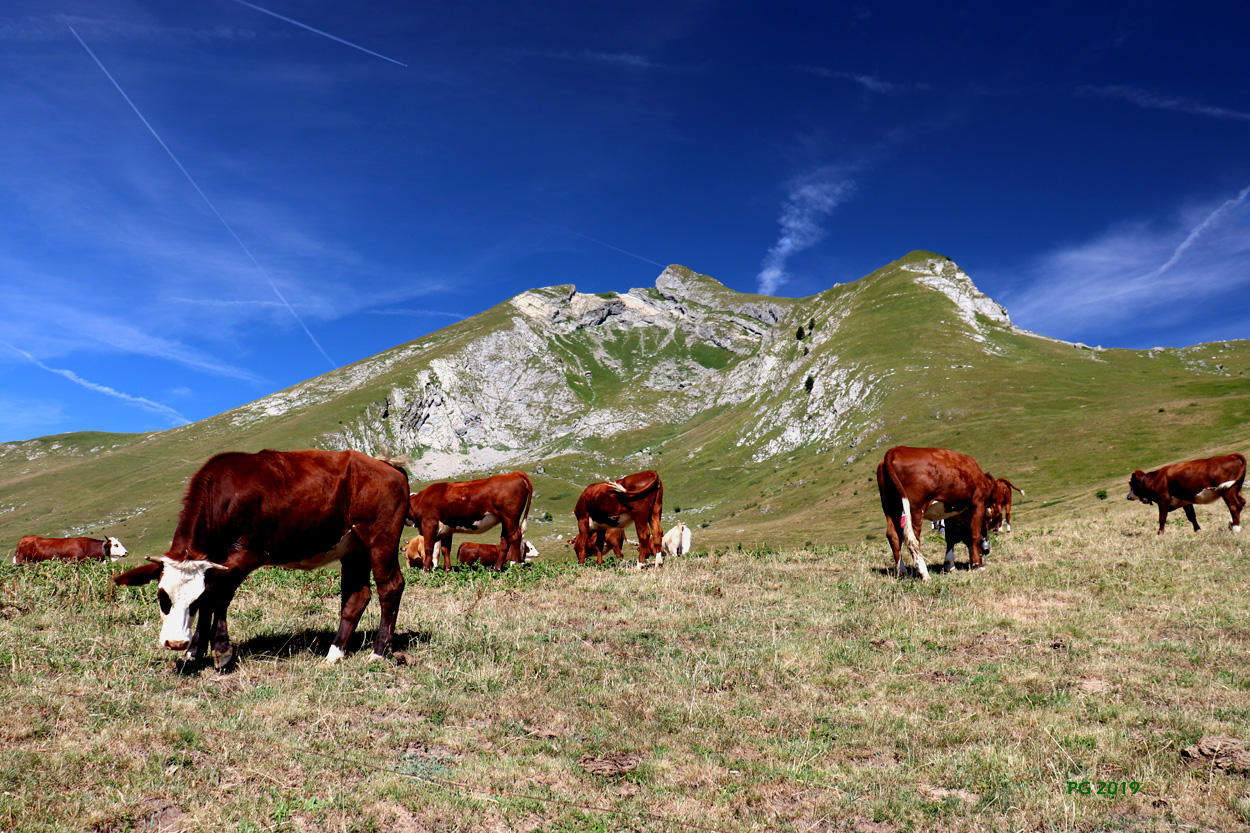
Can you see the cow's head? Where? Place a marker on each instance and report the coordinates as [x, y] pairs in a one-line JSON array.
[[530, 553], [181, 589], [1135, 490], [113, 548]]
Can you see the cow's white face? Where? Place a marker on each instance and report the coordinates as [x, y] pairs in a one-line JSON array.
[[116, 550], [530, 552], [181, 588]]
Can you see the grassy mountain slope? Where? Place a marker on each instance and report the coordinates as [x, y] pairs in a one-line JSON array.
[[761, 435]]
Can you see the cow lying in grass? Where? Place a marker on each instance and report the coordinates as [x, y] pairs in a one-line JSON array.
[[32, 549]]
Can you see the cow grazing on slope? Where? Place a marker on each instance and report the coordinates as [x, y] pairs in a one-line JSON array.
[[1181, 485], [636, 499], [32, 549], [489, 555], [676, 542], [473, 506], [295, 509], [933, 483]]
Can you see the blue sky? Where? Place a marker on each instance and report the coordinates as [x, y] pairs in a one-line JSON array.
[[207, 201]]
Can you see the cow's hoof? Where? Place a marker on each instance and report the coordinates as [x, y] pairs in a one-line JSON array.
[[949, 568], [978, 566], [223, 659], [333, 655], [1235, 527], [375, 657]]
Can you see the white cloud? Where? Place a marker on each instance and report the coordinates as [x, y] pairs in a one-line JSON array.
[[146, 404], [1156, 101], [810, 201], [871, 83], [1187, 270]]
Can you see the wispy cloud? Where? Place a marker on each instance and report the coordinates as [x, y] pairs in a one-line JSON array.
[[871, 83], [207, 202], [169, 413], [811, 199], [621, 59], [1156, 101], [1137, 272]]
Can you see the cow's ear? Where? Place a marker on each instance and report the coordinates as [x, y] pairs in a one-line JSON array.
[[142, 574]]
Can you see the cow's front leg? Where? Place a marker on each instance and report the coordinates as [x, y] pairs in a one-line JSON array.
[[223, 651], [355, 593], [1163, 515], [1193, 518]]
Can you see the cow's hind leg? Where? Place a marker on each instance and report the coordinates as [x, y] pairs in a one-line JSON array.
[[921, 567], [355, 594], [1193, 518], [896, 546], [1235, 503]]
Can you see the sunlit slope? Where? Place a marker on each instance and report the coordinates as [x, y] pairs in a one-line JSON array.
[[765, 416]]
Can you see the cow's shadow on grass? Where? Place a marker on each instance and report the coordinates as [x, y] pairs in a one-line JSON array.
[[314, 641], [934, 569]]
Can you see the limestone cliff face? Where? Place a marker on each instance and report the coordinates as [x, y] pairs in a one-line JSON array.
[[568, 367]]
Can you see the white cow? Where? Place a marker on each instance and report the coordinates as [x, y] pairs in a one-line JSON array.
[[676, 542]]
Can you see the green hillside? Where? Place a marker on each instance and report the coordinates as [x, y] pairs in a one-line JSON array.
[[765, 416]]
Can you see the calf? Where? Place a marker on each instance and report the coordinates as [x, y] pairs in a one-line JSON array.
[[472, 506], [676, 542], [32, 549], [999, 507], [1181, 485], [611, 537], [488, 555], [293, 509], [916, 484], [636, 499]]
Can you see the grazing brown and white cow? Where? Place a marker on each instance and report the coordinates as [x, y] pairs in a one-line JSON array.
[[998, 509], [676, 542], [1181, 485], [292, 509], [933, 483], [32, 549], [488, 555], [473, 506], [636, 499]]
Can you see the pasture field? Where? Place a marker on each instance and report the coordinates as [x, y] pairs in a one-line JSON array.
[[802, 690]]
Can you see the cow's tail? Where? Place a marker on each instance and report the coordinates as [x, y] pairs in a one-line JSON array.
[[400, 462], [525, 516], [904, 521], [637, 492], [1011, 485]]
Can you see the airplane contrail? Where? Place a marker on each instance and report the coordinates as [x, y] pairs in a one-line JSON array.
[[1197, 231], [208, 202], [319, 32], [147, 404], [586, 237]]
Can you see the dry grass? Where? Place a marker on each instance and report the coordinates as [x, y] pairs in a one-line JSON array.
[[802, 690]]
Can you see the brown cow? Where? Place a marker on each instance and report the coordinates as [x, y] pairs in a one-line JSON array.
[[472, 506], [636, 499], [933, 483], [32, 549], [489, 555], [1181, 485], [294, 509], [998, 509], [613, 537]]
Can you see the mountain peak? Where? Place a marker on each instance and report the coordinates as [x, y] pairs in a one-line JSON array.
[[940, 273]]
